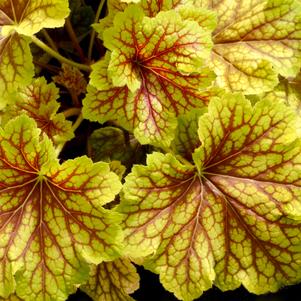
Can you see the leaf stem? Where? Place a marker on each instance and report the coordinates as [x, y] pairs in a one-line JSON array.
[[93, 33], [77, 122], [74, 39], [72, 112], [59, 57], [49, 40]]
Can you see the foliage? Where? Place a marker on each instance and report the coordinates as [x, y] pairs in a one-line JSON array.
[[143, 132]]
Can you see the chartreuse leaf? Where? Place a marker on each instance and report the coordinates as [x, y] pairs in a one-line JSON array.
[[149, 67], [16, 67], [288, 90], [39, 101], [11, 298], [27, 17], [254, 41], [232, 217], [52, 223], [188, 9], [112, 281]]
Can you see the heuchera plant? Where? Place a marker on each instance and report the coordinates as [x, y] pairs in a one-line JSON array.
[[164, 133]]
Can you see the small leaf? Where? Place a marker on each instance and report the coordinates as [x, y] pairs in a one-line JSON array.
[[232, 218], [109, 144], [39, 101], [16, 68], [112, 281], [157, 76], [28, 17], [254, 41], [187, 139], [52, 223]]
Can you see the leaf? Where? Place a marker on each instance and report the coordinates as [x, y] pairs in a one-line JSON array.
[[39, 101], [157, 77], [16, 68], [112, 281], [52, 223], [188, 9], [288, 90], [28, 17], [232, 218], [187, 139], [109, 144], [254, 41]]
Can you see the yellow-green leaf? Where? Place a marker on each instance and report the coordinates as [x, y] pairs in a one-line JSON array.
[[231, 218], [52, 223], [112, 281], [254, 41]]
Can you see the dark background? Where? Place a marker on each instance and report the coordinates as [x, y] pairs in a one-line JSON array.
[[152, 290]]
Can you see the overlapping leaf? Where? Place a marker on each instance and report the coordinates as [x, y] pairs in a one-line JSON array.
[[25, 17], [149, 68], [254, 41], [189, 10], [232, 218], [16, 67], [109, 143], [52, 223], [289, 91], [39, 101], [112, 281]]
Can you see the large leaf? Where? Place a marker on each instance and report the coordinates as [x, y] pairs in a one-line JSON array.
[[112, 281], [27, 17], [254, 41], [39, 101], [52, 223], [189, 9], [16, 67], [232, 218], [151, 85]]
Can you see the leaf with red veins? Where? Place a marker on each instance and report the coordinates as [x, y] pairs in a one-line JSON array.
[[112, 281], [39, 101], [231, 219], [52, 223], [254, 41], [28, 17], [188, 9], [164, 43], [16, 67], [163, 90]]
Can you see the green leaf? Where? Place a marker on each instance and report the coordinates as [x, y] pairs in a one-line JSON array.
[[16, 67], [109, 144], [112, 281], [39, 101], [254, 41], [157, 88], [52, 223], [28, 17], [234, 217], [187, 139]]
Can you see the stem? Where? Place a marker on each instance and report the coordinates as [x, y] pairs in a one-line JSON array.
[[72, 112], [59, 57], [93, 33], [74, 98], [49, 40], [74, 39], [77, 122]]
